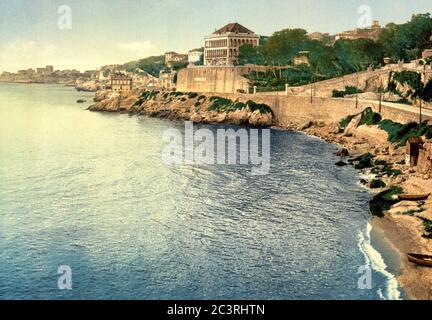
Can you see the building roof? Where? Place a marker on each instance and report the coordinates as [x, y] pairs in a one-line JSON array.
[[120, 76], [233, 27], [197, 50]]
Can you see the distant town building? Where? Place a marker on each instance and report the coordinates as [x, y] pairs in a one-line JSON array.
[[301, 58], [174, 57], [427, 53], [121, 82], [318, 36], [222, 47], [372, 33], [167, 79], [47, 71], [142, 79], [195, 55]]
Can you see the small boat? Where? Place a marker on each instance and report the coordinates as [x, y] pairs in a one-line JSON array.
[[420, 259], [413, 197]]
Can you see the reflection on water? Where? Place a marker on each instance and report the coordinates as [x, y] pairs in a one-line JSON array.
[[89, 190]]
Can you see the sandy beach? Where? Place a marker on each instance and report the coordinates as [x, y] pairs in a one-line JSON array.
[[404, 233]]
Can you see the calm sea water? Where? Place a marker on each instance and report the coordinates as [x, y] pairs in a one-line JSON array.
[[89, 190]]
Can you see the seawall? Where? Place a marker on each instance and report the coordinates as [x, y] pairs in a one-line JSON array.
[[212, 79], [299, 109]]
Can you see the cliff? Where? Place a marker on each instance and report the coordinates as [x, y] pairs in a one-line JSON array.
[[184, 106]]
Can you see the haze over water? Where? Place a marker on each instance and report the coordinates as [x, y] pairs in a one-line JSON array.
[[90, 190]]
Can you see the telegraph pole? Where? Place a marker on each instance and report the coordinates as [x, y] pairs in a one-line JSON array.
[[380, 97], [421, 106], [357, 92], [311, 90]]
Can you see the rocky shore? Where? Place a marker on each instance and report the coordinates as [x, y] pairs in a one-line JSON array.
[[368, 147], [184, 106], [405, 225]]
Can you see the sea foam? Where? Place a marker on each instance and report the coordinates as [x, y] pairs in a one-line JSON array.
[[376, 262]]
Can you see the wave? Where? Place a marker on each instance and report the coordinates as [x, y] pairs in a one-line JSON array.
[[376, 262]]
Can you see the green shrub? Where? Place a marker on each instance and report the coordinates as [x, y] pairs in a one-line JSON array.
[[338, 94], [387, 170], [427, 224], [145, 96], [349, 90], [219, 104], [397, 133], [352, 90], [383, 201], [192, 95], [376, 184], [411, 78], [400, 133], [364, 161], [263, 108], [226, 105], [176, 94], [369, 117], [343, 124], [409, 213]]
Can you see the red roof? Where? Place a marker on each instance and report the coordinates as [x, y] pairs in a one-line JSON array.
[[233, 27]]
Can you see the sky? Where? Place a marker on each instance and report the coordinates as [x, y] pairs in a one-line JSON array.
[[101, 32]]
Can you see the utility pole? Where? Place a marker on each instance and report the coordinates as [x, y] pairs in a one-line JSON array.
[[312, 89], [421, 106], [357, 92], [380, 97]]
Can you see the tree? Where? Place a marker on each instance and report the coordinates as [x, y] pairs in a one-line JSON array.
[[387, 41], [357, 55], [283, 45], [249, 54], [407, 41]]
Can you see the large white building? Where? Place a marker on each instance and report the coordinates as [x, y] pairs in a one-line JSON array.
[[222, 47], [195, 55]]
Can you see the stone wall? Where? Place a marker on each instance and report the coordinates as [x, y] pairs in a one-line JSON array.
[[212, 79], [425, 158], [299, 109]]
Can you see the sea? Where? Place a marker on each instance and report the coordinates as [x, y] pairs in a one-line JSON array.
[[88, 210]]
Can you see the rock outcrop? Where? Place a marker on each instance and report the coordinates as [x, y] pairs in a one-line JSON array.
[[176, 105]]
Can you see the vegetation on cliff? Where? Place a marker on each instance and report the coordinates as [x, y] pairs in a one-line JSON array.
[[152, 65], [368, 117], [185, 106], [397, 133], [226, 105]]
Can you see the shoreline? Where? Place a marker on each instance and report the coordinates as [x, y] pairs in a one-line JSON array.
[[379, 228], [403, 233]]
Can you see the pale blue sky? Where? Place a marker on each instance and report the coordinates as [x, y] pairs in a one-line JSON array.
[[116, 31]]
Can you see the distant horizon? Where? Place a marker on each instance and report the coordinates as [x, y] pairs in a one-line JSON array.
[[109, 33]]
